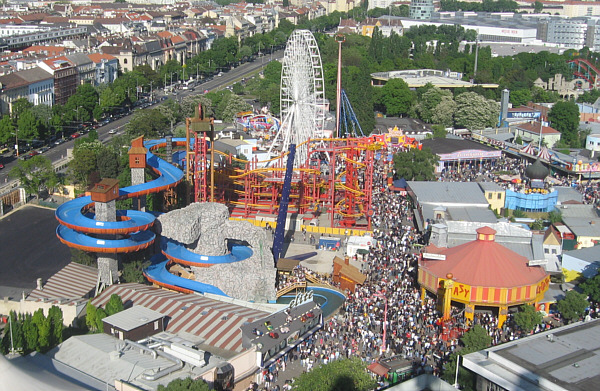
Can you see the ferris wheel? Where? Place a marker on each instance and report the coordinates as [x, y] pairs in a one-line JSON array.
[[302, 95]]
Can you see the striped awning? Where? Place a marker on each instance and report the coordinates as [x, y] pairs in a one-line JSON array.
[[544, 154], [72, 282], [216, 322], [528, 149]]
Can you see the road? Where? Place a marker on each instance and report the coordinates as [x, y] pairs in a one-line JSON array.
[[59, 152]]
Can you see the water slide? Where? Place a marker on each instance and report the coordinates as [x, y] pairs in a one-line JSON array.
[[131, 232]]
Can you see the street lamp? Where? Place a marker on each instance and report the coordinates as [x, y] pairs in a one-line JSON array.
[[382, 295]]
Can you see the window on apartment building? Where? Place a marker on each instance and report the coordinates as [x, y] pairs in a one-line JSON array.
[[156, 325], [499, 196], [124, 61], [546, 251], [490, 195]]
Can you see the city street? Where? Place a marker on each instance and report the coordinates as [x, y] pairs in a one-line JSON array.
[[59, 152]]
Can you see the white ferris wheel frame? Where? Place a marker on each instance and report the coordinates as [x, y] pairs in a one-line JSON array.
[[302, 96]]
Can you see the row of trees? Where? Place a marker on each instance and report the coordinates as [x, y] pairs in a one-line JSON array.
[[94, 315], [33, 332]]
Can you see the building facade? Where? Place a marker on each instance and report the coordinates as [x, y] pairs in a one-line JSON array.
[[421, 9]]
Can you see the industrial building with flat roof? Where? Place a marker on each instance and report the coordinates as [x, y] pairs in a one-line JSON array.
[[561, 359]]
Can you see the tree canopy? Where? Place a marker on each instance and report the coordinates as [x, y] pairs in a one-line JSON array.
[[573, 306], [339, 375], [527, 318], [415, 164], [187, 384], [35, 174], [591, 287], [564, 117]]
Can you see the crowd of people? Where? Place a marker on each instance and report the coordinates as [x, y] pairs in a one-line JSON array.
[[389, 303]]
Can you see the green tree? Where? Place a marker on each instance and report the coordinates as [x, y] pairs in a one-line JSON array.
[[429, 101], [415, 165], [477, 338], [114, 304], [564, 117], [150, 123], [396, 97], [29, 126], [591, 287], [520, 97], [474, 112], [133, 271], [107, 162], [171, 109], [527, 318], [439, 131], [519, 140], [80, 106], [19, 106], [537, 225], [83, 257], [235, 104], [555, 216], [573, 306], [43, 325], [85, 161], [187, 384], [444, 112], [55, 315], [538, 6], [7, 130], [30, 334], [91, 316], [346, 375], [35, 174], [100, 314]]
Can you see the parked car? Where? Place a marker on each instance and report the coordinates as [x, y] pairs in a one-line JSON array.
[[59, 141], [75, 135]]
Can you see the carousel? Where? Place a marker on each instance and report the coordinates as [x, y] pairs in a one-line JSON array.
[[533, 195], [481, 274]]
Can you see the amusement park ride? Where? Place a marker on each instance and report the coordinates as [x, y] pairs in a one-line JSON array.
[[330, 174]]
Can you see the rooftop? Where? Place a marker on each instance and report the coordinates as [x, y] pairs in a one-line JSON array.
[[133, 318], [566, 358], [447, 193]]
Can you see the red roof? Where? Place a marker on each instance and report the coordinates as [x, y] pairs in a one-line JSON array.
[[485, 263], [535, 128]]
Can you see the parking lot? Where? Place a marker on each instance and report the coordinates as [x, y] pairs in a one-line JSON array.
[[29, 250]]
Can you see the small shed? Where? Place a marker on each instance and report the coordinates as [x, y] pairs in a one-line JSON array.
[[134, 323], [287, 265], [106, 190], [348, 276]]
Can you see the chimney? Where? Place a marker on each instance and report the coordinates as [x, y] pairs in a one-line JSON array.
[[39, 284], [347, 260]]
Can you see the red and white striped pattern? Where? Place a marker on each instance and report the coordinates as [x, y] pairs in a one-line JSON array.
[[74, 281], [528, 149], [544, 154], [217, 322]]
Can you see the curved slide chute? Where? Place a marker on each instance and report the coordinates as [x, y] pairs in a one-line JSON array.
[[77, 226], [131, 232]]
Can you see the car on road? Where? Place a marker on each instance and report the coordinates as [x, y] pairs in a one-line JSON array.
[[112, 131], [1, 166], [75, 135], [43, 149], [59, 141]]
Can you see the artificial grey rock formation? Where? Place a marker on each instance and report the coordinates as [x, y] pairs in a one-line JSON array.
[[199, 226], [205, 228]]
